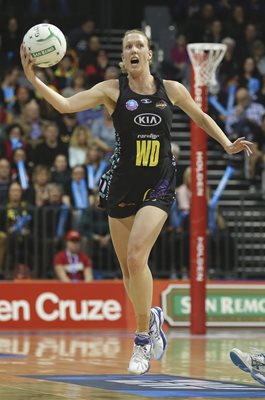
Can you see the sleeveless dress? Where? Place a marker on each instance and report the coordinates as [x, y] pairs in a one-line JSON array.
[[143, 169]]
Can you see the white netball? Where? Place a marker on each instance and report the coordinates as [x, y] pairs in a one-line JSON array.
[[46, 44]]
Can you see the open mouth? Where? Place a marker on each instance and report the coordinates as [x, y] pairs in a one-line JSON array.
[[134, 61]]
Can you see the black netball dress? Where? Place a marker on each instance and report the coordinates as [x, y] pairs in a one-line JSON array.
[[142, 168]]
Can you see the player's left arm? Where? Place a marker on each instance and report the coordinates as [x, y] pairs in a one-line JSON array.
[[181, 98]]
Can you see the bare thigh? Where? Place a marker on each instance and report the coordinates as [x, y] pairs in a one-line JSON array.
[[146, 227]]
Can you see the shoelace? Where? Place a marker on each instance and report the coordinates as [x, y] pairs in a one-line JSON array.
[[139, 352], [155, 331], [258, 360]]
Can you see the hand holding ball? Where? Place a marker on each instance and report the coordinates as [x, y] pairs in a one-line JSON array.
[[46, 45]]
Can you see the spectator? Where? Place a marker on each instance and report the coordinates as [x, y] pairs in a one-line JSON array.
[[22, 96], [180, 60], [66, 123], [61, 174], [95, 71], [63, 75], [78, 37], [257, 159], [71, 264], [54, 221], [244, 46], [15, 222], [8, 85], [78, 194], [244, 116], [236, 22], [5, 180], [90, 55], [46, 152], [79, 143], [11, 40], [258, 54], [14, 140], [111, 72], [199, 23], [32, 123], [215, 33], [104, 133], [250, 78], [77, 84], [96, 166], [37, 193], [228, 70], [20, 172]]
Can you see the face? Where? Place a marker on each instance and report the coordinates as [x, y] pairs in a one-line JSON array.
[[15, 192], [78, 174], [19, 155], [136, 53], [22, 94], [82, 136], [242, 98], [33, 111], [4, 169], [249, 65], [94, 43], [12, 25], [94, 154], [60, 163], [54, 195], [73, 245], [51, 133], [42, 178], [15, 133]]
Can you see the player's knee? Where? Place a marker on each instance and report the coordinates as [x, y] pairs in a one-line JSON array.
[[134, 259]]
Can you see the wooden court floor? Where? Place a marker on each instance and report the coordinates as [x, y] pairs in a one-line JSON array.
[[55, 366]]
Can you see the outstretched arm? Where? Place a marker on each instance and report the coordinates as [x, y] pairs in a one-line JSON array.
[[81, 101], [180, 97]]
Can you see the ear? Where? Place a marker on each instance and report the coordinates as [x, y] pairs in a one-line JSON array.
[[150, 55]]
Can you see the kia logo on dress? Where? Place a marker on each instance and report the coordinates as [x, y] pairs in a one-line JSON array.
[[147, 119]]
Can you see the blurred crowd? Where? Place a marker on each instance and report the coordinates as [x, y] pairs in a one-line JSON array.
[[50, 164]]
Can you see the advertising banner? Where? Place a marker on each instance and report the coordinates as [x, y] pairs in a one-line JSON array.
[[227, 304], [59, 305]]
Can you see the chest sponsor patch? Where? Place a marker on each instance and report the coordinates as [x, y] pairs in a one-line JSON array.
[[161, 104], [131, 105], [146, 101], [147, 119]]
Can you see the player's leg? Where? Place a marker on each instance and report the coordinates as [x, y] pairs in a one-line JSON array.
[[254, 364], [120, 230], [147, 225]]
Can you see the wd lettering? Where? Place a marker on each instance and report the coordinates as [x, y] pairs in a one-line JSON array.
[[147, 119], [147, 153]]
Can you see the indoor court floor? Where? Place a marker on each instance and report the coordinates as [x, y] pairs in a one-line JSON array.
[[75, 366]]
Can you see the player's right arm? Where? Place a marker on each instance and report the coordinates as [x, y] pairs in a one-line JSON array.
[[91, 98]]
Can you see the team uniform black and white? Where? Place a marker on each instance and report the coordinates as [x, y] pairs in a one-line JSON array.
[[143, 170]]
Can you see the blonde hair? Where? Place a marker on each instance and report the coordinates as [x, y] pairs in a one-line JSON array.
[[75, 135], [121, 63]]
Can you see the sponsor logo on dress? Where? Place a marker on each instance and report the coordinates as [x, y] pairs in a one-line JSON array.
[[146, 101], [147, 119], [161, 104], [131, 105]]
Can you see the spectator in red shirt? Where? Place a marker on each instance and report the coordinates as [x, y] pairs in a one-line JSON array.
[[71, 264]]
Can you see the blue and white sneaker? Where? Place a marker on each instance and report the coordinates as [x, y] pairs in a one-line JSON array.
[[254, 364], [158, 337], [140, 361]]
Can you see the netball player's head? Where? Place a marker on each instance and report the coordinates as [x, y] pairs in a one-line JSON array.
[[136, 52]]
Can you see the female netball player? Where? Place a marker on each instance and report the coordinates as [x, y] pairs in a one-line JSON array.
[[138, 190]]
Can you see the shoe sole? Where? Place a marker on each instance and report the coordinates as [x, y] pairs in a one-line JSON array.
[[137, 374], [240, 364], [160, 315]]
